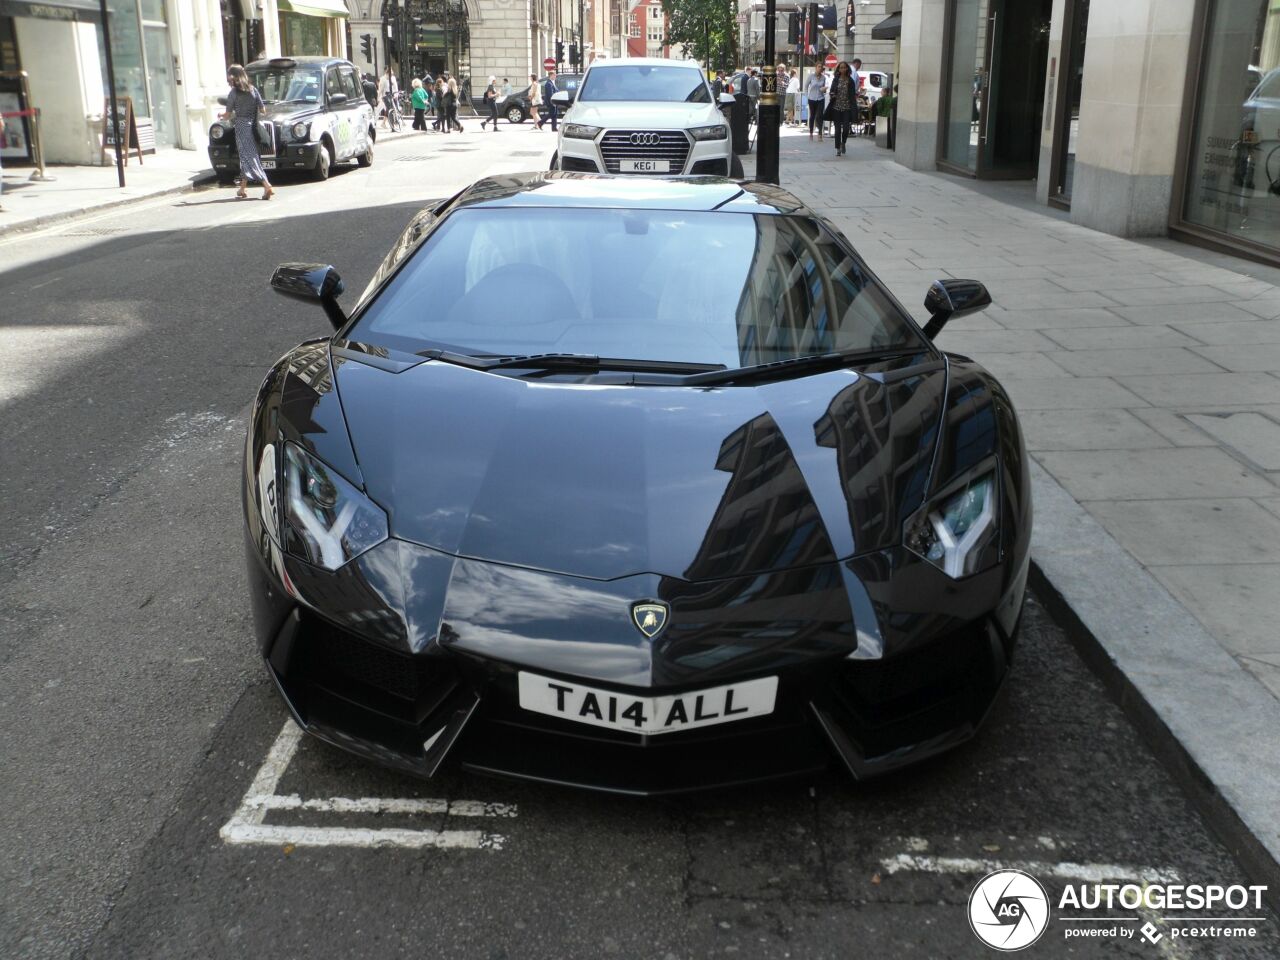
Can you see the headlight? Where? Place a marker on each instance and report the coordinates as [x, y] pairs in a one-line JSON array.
[[957, 531], [301, 130], [581, 131], [327, 521], [715, 132], [216, 132]]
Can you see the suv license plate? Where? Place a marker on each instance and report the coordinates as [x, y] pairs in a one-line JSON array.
[[647, 715], [645, 166]]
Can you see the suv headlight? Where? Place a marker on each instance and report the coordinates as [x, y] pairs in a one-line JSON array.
[[327, 521], [301, 130], [581, 131], [716, 131], [957, 530]]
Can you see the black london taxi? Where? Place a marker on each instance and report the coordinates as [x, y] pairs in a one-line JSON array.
[[318, 117]]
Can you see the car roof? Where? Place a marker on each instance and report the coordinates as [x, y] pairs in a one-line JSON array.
[[589, 190], [644, 62], [300, 61]]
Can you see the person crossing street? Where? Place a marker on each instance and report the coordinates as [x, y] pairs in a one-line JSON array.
[[549, 91], [491, 101]]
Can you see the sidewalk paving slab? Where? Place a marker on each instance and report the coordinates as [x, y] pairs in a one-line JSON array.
[[1147, 377]]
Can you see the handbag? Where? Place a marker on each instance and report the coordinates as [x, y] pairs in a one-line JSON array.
[[262, 133]]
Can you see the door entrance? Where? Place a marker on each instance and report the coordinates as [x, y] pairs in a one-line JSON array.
[[994, 88]]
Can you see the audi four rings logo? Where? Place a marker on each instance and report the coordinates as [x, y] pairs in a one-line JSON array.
[[645, 139]]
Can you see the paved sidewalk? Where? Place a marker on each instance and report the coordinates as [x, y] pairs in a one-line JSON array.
[[80, 190], [1147, 379]]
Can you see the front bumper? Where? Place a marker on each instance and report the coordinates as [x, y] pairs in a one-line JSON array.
[[367, 686], [704, 158], [224, 158]]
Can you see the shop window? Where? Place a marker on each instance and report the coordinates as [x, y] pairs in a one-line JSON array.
[[1233, 167]]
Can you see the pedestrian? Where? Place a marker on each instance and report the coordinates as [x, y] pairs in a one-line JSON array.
[[244, 102], [843, 100], [793, 94], [388, 90], [451, 104], [717, 87], [535, 101], [370, 88], [1, 163], [420, 101], [506, 89], [442, 117], [491, 101], [753, 93], [860, 80], [815, 91], [549, 91]]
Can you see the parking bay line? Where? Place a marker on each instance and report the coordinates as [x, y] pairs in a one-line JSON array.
[[247, 826], [1086, 872]]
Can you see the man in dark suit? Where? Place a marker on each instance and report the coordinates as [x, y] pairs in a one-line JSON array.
[[549, 91]]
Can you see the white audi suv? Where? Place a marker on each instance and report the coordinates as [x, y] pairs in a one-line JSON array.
[[645, 116]]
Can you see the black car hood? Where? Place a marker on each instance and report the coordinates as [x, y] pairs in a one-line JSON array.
[[292, 112], [611, 481]]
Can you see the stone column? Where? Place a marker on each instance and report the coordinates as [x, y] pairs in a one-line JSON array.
[[1135, 71], [919, 90]]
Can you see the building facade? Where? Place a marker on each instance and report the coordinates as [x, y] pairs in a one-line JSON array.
[[1142, 117], [169, 59]]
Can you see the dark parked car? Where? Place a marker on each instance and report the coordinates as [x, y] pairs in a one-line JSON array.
[[515, 108], [318, 114], [662, 526]]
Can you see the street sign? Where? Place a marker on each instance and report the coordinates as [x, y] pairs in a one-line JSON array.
[[549, 63], [743, 17], [830, 61]]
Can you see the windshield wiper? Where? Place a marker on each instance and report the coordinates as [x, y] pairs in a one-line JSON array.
[[570, 361], [809, 364]]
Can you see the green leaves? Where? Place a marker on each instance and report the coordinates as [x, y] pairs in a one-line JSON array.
[[707, 27]]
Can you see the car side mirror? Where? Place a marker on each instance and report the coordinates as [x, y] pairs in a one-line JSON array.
[[953, 298], [727, 99], [313, 282], [337, 99], [562, 98]]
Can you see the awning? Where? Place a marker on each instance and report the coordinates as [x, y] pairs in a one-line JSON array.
[[314, 8], [84, 11], [890, 28]]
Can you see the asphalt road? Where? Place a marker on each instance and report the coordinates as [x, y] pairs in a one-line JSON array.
[[137, 720]]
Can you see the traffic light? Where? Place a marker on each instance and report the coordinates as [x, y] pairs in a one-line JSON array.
[[573, 55], [366, 46], [559, 51], [793, 28]]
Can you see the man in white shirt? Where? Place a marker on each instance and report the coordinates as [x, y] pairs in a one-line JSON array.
[[793, 94]]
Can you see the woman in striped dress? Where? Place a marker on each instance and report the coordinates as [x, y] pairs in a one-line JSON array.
[[245, 103]]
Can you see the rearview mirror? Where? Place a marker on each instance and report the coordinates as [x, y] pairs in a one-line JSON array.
[[312, 281], [562, 98], [727, 99], [952, 298], [337, 99]]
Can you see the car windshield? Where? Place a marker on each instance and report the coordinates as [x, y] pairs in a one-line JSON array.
[[288, 83], [646, 83], [734, 289]]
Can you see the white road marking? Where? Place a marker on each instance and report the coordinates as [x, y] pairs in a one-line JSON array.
[[1086, 872], [247, 825]]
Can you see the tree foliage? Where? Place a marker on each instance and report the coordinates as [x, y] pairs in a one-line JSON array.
[[708, 28]]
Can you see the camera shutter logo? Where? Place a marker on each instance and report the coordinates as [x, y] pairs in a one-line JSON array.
[[1008, 910]]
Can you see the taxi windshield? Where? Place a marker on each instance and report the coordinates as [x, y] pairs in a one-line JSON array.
[[288, 84]]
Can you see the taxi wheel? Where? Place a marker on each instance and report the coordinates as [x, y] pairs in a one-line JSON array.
[[323, 162], [366, 159], [735, 168]]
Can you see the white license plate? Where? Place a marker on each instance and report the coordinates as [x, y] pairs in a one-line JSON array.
[[268, 164], [645, 166], [648, 715]]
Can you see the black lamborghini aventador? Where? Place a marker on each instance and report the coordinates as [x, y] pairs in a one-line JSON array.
[[638, 485]]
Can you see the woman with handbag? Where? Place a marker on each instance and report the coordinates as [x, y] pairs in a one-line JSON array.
[[841, 104], [244, 102]]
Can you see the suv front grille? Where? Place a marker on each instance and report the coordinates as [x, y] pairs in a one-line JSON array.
[[672, 146]]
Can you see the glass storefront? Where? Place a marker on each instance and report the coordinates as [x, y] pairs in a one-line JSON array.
[[302, 36], [966, 80], [1233, 166], [143, 64]]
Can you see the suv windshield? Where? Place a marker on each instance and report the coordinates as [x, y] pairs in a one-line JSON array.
[[303, 84], [646, 83], [731, 289]]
